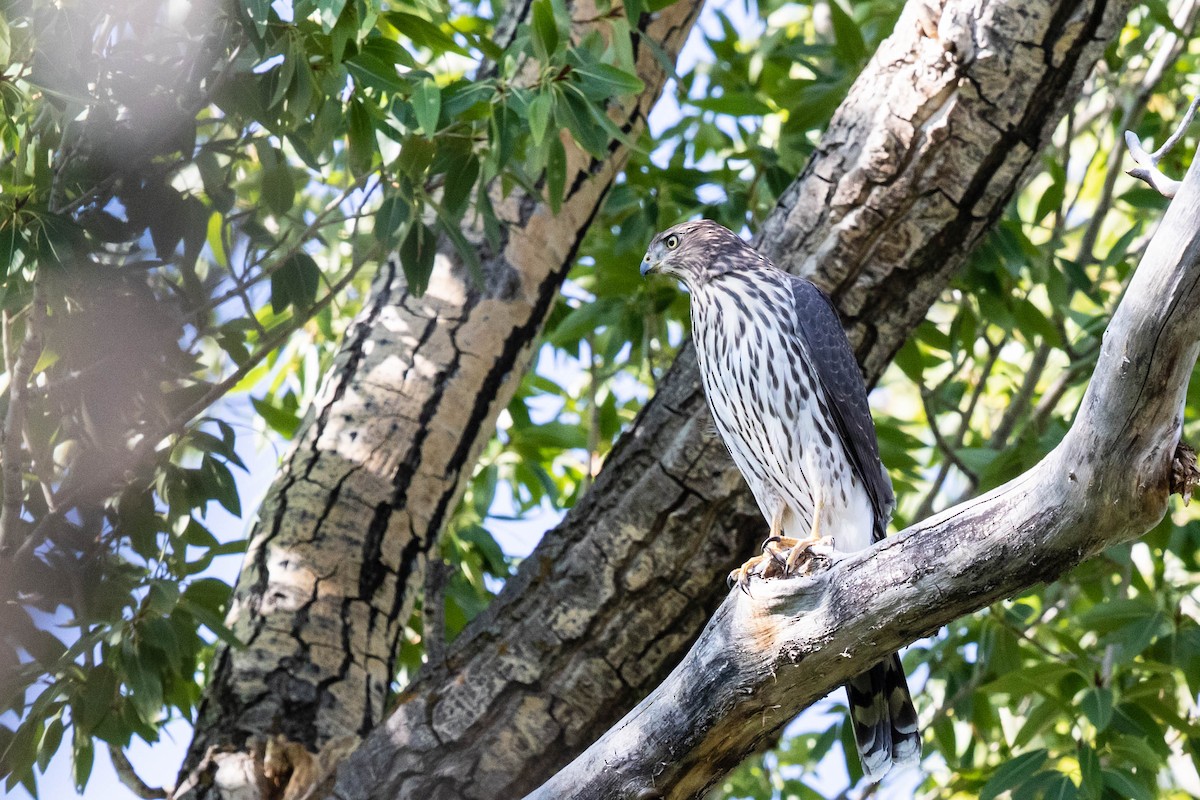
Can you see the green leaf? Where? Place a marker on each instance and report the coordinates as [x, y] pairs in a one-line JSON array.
[[493, 556], [1126, 786], [735, 104], [222, 485], [388, 51], [1091, 784], [283, 421], [145, 686], [1057, 787], [850, 44], [1013, 773], [82, 756], [427, 105], [416, 256], [96, 699], [572, 113], [162, 597], [371, 70], [51, 739], [545, 30], [423, 32], [360, 138], [1052, 198], [330, 10], [1033, 321], [460, 180], [540, 109], [210, 620], [552, 435], [599, 81], [259, 12], [295, 283], [1097, 705], [5, 42], [392, 214], [278, 188], [1112, 614]]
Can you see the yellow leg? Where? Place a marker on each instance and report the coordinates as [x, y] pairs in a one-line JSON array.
[[800, 548], [772, 552]]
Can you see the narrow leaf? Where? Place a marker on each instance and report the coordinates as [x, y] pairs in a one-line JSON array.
[[427, 105], [416, 256], [545, 31]]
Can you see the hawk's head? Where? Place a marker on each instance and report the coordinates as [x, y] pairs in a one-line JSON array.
[[696, 252]]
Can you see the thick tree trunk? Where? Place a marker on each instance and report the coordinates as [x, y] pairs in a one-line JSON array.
[[917, 164], [765, 657], [340, 549]]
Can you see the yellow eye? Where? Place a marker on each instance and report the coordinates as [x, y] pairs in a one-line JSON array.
[[672, 242]]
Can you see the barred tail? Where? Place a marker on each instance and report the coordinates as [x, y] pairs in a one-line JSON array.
[[885, 722]]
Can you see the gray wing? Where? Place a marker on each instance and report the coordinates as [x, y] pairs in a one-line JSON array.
[[837, 370]]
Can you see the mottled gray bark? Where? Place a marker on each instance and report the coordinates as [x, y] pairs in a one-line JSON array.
[[340, 549], [915, 167], [765, 657]]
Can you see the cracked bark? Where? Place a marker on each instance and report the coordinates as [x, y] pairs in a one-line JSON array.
[[917, 164], [764, 658], [340, 548]]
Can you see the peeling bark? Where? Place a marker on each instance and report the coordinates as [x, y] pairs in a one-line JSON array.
[[916, 166], [765, 657], [343, 537]]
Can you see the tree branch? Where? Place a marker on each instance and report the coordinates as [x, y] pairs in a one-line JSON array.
[[1147, 163], [764, 657], [129, 777]]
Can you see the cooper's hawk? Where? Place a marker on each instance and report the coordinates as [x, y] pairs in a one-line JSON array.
[[789, 402]]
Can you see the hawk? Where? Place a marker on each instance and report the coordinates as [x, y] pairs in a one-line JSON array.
[[789, 402]]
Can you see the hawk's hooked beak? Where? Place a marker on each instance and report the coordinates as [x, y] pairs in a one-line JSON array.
[[648, 266]]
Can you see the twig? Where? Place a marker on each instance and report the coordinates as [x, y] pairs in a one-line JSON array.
[[130, 778], [14, 420], [1147, 169], [998, 617], [1049, 400], [926, 507], [1021, 401], [948, 449]]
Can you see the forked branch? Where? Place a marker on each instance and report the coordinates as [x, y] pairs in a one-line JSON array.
[[1147, 163]]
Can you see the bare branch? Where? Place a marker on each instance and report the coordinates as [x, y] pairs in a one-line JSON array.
[[128, 776], [1147, 169], [764, 657]]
